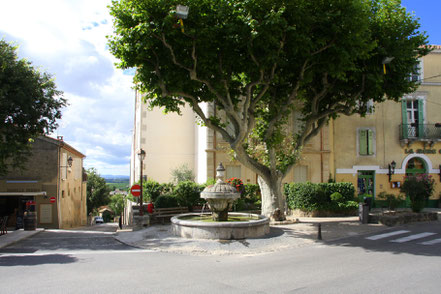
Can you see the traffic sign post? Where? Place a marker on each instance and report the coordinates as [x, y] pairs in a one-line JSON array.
[[136, 190]]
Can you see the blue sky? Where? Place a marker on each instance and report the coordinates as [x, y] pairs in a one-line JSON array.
[[429, 12], [67, 39]]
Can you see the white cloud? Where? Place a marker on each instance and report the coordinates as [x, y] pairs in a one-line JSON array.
[[68, 40]]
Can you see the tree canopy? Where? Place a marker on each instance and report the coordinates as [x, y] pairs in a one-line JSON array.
[[29, 106], [266, 66], [98, 193]]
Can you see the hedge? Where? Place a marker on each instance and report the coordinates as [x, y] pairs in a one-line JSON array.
[[317, 197]]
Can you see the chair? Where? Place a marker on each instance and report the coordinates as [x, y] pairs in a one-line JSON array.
[[3, 225]]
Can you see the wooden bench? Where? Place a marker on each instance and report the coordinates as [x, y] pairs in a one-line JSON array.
[[167, 213]]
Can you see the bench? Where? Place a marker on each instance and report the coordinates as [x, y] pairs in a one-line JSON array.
[[167, 213], [3, 225]]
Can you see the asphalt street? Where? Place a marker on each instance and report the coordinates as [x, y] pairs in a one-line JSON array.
[[367, 263]]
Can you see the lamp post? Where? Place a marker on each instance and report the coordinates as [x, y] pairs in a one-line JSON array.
[[141, 155], [391, 166]]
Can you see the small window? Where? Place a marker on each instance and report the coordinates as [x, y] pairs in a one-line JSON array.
[[300, 174], [365, 142], [417, 73], [233, 171]]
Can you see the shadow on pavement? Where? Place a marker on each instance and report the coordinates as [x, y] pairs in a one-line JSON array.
[[30, 260], [385, 245]]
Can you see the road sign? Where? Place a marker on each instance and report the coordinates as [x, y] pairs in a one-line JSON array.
[[52, 199], [136, 190]]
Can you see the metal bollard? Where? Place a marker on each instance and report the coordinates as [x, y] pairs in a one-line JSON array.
[[319, 234]]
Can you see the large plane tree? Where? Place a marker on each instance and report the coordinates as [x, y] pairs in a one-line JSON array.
[[260, 61]]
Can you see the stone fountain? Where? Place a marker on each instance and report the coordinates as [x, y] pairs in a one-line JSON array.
[[220, 198]]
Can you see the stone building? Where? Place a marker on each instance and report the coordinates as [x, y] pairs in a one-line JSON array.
[[54, 180]]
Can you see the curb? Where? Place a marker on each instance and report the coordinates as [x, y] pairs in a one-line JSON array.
[[16, 236]]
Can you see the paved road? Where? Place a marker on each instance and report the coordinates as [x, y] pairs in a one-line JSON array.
[[98, 237], [416, 239], [362, 264]]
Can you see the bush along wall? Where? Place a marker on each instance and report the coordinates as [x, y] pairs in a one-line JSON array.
[[322, 199]]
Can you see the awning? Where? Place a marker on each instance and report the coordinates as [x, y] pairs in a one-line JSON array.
[[23, 193]]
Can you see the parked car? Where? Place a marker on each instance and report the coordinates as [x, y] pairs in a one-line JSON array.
[[99, 220]]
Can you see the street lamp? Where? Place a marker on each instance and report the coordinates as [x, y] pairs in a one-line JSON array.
[[69, 164], [391, 166], [141, 155]]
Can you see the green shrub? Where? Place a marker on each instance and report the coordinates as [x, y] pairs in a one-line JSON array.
[[419, 188], [252, 194], [337, 197], [306, 196], [188, 194], [151, 190], [392, 201], [165, 201], [167, 188]]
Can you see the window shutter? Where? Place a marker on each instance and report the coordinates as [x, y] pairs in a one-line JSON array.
[[421, 118], [362, 142], [370, 142], [405, 129]]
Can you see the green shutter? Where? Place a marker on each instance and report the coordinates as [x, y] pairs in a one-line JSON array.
[[421, 119], [362, 141], [405, 129], [370, 142]]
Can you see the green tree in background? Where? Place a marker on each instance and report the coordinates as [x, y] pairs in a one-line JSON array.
[[97, 190], [182, 173], [29, 106], [276, 70], [117, 203]]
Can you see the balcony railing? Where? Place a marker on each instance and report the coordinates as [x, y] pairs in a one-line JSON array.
[[431, 132]]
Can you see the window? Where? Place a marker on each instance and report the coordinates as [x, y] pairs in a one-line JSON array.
[[233, 171], [300, 174], [413, 117], [417, 72], [366, 142]]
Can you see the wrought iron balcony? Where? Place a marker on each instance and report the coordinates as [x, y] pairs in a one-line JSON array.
[[420, 132]]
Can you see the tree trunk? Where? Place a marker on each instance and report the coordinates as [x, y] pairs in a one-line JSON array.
[[273, 201]]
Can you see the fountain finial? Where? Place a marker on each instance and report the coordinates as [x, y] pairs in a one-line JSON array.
[[220, 173]]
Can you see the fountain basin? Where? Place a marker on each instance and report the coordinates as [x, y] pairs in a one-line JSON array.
[[256, 227]]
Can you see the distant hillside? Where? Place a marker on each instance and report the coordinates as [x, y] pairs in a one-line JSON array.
[[115, 178]]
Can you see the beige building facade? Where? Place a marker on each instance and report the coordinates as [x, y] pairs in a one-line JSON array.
[[169, 141], [406, 134], [54, 180]]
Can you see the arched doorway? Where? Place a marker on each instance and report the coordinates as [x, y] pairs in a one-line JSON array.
[[415, 166]]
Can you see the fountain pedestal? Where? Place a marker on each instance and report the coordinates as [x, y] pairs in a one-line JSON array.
[[220, 198]]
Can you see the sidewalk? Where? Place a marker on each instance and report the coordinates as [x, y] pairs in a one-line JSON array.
[[281, 237], [14, 236]]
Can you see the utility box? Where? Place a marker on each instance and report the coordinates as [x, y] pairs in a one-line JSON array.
[[363, 213]]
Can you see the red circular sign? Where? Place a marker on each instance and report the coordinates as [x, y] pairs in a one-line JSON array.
[[52, 199], [136, 190]]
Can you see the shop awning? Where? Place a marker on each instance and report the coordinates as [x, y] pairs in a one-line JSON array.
[[23, 193]]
